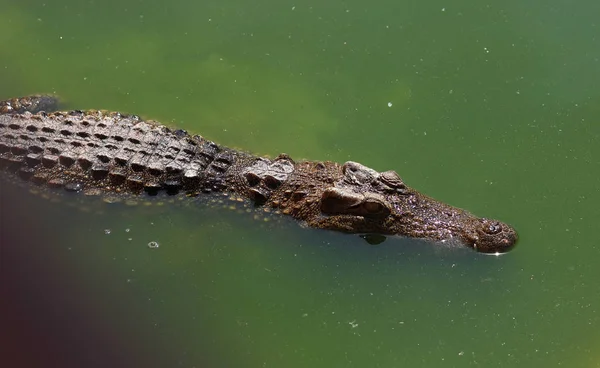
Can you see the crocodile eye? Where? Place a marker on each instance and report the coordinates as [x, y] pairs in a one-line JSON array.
[[373, 207], [392, 179]]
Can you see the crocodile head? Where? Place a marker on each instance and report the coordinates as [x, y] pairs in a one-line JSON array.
[[366, 201]]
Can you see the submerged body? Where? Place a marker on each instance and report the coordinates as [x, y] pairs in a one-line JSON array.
[[98, 152]]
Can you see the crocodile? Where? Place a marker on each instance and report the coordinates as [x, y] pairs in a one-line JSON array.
[[98, 152]]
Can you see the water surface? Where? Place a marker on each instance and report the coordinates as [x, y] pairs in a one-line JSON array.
[[490, 107]]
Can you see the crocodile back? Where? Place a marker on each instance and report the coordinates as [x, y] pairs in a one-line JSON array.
[[97, 151]]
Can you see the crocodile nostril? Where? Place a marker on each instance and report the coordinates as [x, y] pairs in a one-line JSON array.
[[491, 227], [494, 228]]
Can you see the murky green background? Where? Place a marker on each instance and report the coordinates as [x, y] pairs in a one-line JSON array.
[[491, 106]]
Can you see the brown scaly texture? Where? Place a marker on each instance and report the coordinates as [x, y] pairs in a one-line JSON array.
[[99, 152]]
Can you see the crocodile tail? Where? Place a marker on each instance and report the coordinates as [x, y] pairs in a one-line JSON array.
[[32, 104]]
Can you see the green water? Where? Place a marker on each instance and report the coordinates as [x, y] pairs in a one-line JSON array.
[[490, 106]]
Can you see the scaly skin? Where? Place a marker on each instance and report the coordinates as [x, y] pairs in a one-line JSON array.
[[99, 152]]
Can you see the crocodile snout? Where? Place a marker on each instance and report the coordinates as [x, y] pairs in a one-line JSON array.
[[492, 236]]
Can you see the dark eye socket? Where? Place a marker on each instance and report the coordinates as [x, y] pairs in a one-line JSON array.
[[492, 228]]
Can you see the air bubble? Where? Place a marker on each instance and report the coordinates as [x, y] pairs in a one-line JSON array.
[[153, 245]]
